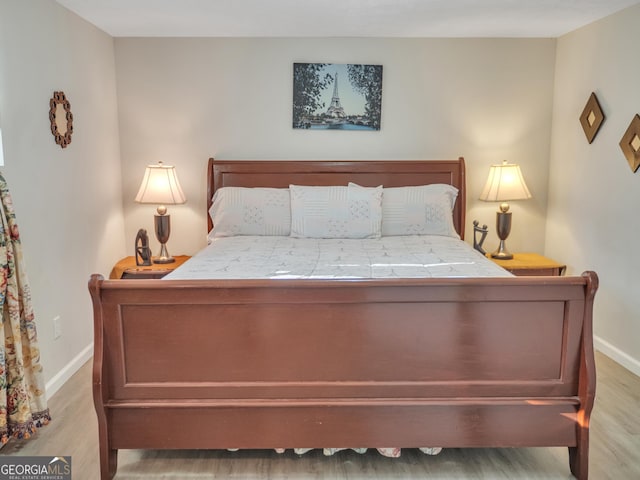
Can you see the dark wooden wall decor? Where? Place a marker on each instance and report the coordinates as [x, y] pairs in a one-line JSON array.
[[592, 117], [61, 119], [630, 143]]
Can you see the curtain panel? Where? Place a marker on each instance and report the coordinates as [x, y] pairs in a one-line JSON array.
[[23, 403]]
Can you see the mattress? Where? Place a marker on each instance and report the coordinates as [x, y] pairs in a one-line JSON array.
[[271, 257]]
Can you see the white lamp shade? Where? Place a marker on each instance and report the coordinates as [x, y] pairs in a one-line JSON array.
[[160, 186], [505, 183]]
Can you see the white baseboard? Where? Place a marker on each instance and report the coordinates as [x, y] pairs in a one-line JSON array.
[[624, 359], [67, 372]]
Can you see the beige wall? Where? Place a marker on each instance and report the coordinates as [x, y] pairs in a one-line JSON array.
[[593, 219], [184, 100], [68, 202]]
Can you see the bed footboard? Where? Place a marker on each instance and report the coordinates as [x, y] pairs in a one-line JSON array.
[[490, 362]]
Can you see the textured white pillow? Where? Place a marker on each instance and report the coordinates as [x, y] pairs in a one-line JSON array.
[[336, 212], [422, 210], [250, 211]]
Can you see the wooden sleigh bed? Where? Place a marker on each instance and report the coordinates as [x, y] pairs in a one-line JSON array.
[[257, 364]]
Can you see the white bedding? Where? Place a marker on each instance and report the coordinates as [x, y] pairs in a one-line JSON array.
[[260, 257]]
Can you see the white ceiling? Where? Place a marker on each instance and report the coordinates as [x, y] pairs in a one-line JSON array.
[[342, 18]]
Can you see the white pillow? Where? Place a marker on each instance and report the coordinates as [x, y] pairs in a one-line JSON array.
[[422, 210], [336, 212], [250, 211]]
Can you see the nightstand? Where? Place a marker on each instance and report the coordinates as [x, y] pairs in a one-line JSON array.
[[127, 268], [531, 264]]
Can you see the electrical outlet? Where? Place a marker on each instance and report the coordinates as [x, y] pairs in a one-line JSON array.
[[57, 328]]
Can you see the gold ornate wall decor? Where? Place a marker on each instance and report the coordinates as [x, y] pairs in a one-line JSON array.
[[592, 117], [630, 143], [61, 119]]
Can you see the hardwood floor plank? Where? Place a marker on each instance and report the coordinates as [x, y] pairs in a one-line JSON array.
[[615, 447]]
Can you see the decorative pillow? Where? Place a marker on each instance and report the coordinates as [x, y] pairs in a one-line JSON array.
[[250, 211], [336, 212], [423, 210]]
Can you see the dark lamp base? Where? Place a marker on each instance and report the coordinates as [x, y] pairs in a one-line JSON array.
[[503, 228], [163, 256], [163, 229], [164, 260], [502, 255]]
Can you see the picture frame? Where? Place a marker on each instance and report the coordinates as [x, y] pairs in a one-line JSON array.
[[328, 96]]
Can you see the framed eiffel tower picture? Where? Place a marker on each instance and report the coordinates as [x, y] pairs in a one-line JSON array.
[[331, 96]]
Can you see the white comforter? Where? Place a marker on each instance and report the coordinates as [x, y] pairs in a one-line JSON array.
[[260, 257]]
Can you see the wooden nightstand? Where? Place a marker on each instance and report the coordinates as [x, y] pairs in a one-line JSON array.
[[531, 264], [127, 268]]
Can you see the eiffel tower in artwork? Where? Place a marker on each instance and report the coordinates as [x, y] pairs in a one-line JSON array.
[[335, 109]]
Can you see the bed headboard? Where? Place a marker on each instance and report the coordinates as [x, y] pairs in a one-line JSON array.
[[388, 173]]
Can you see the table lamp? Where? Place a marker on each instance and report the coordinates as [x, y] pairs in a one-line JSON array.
[[160, 185], [505, 183]]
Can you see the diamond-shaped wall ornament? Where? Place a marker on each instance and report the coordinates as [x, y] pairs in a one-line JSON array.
[[592, 117], [630, 143]]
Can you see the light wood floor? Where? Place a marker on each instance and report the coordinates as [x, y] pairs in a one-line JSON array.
[[615, 447]]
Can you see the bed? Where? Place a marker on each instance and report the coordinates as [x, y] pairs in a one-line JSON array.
[[343, 362]]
